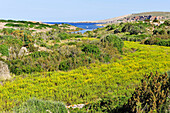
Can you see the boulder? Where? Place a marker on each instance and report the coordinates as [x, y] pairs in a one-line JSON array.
[[23, 51], [4, 71], [4, 57]]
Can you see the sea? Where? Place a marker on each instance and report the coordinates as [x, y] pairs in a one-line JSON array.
[[84, 26]]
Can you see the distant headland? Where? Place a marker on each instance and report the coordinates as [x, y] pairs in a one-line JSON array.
[[134, 17]]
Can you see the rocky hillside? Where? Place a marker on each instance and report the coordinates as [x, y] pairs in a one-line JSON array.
[[136, 17]]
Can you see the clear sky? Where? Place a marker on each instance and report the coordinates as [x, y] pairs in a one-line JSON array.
[[76, 10]]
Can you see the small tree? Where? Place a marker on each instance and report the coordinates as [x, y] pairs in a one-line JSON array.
[[135, 30], [113, 40]]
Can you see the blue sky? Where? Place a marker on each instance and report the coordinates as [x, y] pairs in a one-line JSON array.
[[76, 10]]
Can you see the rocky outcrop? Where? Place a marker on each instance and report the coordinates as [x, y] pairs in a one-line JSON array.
[[141, 18], [76, 106], [4, 71], [23, 51]]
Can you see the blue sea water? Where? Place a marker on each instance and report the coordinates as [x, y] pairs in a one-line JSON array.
[[85, 26]]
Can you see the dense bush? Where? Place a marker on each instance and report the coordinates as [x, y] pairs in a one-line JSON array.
[[168, 32], [157, 41], [4, 50], [135, 30], [39, 54], [164, 42], [127, 27], [167, 22], [89, 33], [111, 27], [107, 105], [64, 58], [15, 25], [71, 43], [40, 106], [135, 38], [6, 37], [159, 31], [89, 48], [114, 41], [63, 36], [32, 48], [151, 95], [7, 31], [64, 65], [117, 31]]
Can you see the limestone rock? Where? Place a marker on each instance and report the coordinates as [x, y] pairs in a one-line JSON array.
[[4, 57], [23, 51], [4, 71], [76, 106]]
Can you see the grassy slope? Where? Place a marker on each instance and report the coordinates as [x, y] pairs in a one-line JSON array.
[[86, 85]]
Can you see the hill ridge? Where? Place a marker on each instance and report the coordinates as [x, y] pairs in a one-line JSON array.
[[151, 15]]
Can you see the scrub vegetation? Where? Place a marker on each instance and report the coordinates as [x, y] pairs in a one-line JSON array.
[[119, 68]]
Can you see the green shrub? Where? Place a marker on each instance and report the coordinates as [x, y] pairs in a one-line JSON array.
[[164, 43], [71, 43], [135, 30], [107, 58], [167, 22], [64, 66], [117, 31], [32, 48], [107, 104], [14, 41], [15, 25], [31, 26], [41, 106], [39, 54], [63, 36], [127, 27], [90, 48], [168, 32], [150, 96], [159, 31], [90, 33], [157, 41], [7, 31], [155, 31], [78, 36], [99, 36], [6, 37], [111, 27], [114, 41], [56, 46], [4, 50]]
